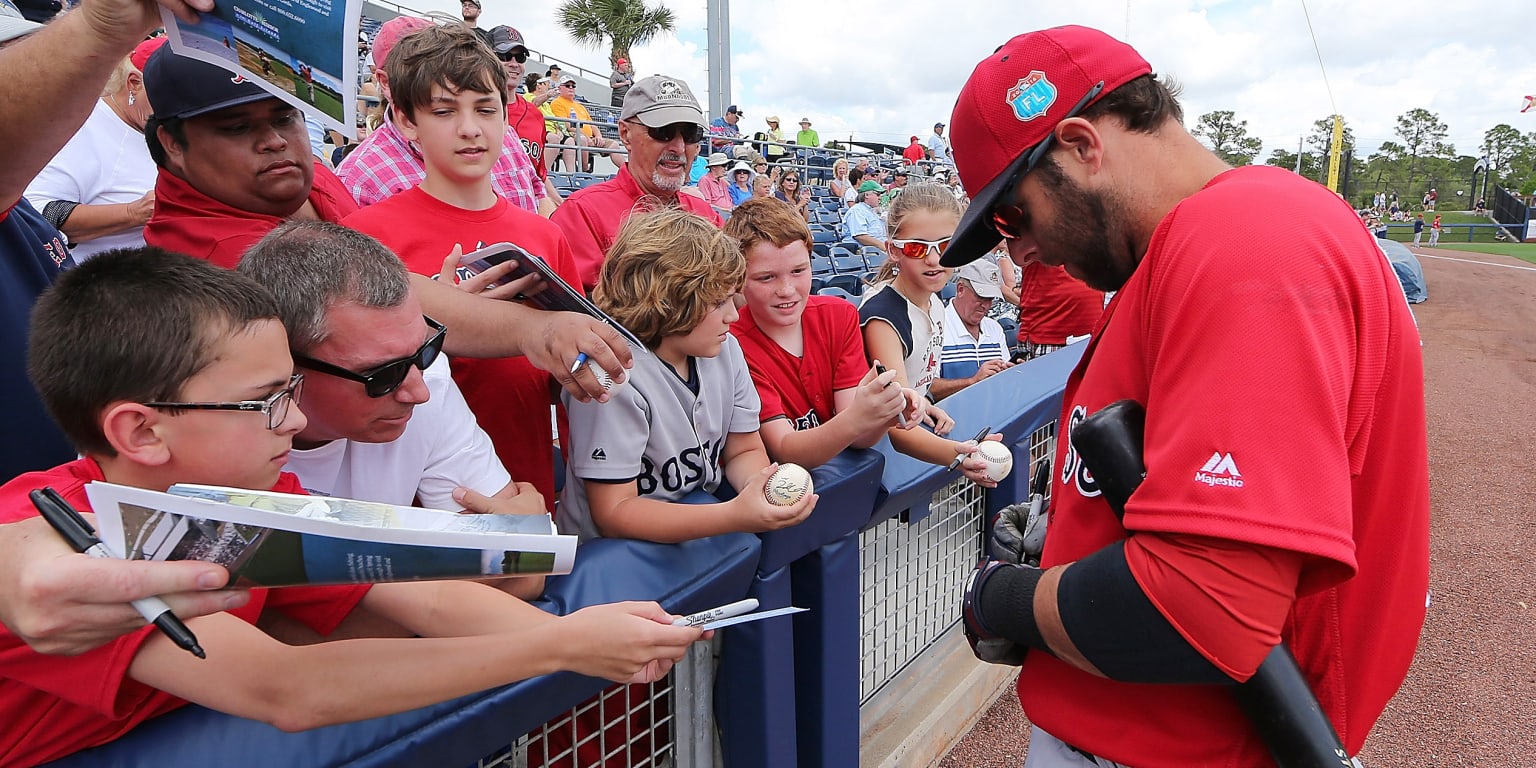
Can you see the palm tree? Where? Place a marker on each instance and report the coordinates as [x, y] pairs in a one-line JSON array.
[[621, 23]]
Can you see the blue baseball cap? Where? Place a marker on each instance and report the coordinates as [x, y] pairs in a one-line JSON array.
[[183, 87]]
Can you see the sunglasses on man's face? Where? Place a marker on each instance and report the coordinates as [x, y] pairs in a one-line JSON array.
[[519, 57], [918, 249], [692, 132], [388, 377]]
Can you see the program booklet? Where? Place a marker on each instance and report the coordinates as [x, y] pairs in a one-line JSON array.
[[557, 295], [278, 539]]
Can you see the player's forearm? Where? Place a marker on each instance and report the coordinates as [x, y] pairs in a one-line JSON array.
[[53, 77]]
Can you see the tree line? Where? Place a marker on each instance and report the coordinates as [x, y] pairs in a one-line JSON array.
[[1418, 159]]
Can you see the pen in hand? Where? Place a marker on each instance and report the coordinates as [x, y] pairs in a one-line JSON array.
[[987, 430], [82, 537], [900, 417], [581, 359]]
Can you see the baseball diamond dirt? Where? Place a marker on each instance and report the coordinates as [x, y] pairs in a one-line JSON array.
[[1470, 698]]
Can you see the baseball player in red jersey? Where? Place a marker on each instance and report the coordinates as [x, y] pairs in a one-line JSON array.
[[1286, 496]]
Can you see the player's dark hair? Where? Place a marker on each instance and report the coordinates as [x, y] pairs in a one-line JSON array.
[[1142, 105], [175, 127], [311, 266], [449, 56], [666, 270], [767, 220], [132, 325]]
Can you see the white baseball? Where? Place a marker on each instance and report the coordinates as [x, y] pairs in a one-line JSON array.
[[602, 376], [999, 459], [788, 485]]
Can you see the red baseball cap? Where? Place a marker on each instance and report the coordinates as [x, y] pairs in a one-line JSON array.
[[141, 52], [1012, 102], [389, 34]]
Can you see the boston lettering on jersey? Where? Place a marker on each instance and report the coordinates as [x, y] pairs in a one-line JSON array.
[[809, 421], [684, 470]]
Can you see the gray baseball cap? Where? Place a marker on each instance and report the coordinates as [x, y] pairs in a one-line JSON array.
[[661, 100], [983, 277], [13, 24]]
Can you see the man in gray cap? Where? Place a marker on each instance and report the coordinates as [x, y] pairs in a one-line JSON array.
[[661, 124], [975, 346]]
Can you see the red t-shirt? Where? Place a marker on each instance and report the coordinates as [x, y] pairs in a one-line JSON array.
[[1285, 407], [510, 397], [801, 388], [914, 152], [1054, 305], [58, 705], [528, 122], [188, 221], [590, 219]]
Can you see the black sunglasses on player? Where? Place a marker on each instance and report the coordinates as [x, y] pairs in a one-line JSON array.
[[519, 57], [388, 377], [692, 132], [1009, 219]]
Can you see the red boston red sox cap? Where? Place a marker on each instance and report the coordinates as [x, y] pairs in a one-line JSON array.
[[1012, 102]]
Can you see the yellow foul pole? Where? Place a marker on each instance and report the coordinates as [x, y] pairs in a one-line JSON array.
[[1335, 151]]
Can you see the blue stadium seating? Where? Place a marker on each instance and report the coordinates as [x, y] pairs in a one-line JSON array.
[[840, 293], [851, 284]]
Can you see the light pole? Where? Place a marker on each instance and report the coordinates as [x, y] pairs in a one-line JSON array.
[[719, 43]]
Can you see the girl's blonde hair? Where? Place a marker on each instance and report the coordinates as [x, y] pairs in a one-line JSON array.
[[666, 270], [914, 197]]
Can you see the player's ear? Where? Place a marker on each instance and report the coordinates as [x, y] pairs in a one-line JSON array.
[[1082, 140]]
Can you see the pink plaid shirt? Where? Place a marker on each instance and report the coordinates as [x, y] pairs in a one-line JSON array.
[[386, 164]]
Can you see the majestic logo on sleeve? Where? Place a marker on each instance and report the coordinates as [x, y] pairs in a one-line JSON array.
[[1073, 471], [1220, 470], [1032, 96]]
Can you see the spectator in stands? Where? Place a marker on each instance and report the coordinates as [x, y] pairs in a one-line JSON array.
[[580, 134], [938, 146], [219, 190], [773, 152], [713, 186], [914, 153], [470, 10], [974, 344], [863, 222], [790, 191], [525, 119], [662, 125], [456, 209], [762, 185], [805, 353], [838, 185], [186, 331], [898, 185], [553, 73], [405, 436], [622, 78], [1054, 307], [807, 137], [255, 181], [99, 190], [688, 418], [385, 163], [877, 174], [724, 130], [537, 90], [851, 194], [741, 183], [903, 318]]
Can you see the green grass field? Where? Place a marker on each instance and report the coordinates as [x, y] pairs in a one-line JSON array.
[[1522, 251]]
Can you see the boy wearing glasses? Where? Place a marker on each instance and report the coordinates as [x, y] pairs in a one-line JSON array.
[[194, 385], [687, 419], [450, 93], [662, 125]]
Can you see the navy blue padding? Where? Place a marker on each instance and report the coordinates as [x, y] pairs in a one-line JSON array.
[[1014, 402], [827, 654], [755, 682], [683, 577]]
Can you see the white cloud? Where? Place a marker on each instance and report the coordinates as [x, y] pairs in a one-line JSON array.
[[886, 70]]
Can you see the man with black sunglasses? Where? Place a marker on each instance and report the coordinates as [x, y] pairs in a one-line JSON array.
[[1285, 494], [662, 125], [389, 422], [523, 117]]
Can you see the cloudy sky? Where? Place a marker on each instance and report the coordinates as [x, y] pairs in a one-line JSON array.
[[887, 70]]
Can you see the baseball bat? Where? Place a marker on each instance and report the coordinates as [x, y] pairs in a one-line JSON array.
[[1276, 700]]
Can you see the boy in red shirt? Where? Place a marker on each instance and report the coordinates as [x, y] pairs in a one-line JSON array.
[[195, 385], [452, 93]]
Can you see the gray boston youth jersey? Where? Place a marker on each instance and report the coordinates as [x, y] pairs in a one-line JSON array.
[[656, 432]]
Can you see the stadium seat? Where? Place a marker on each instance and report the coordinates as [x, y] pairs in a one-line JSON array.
[[874, 258], [822, 266], [840, 293], [947, 292], [848, 264], [821, 249], [824, 236], [1010, 328], [853, 285]]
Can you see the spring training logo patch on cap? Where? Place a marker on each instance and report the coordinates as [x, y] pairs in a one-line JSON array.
[[670, 90], [1032, 96]]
